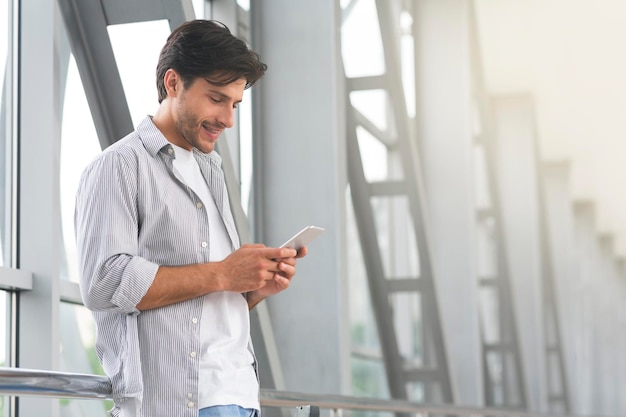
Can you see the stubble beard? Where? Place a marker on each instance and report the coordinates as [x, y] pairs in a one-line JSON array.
[[188, 128]]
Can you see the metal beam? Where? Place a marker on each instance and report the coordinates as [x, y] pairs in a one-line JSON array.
[[123, 11]]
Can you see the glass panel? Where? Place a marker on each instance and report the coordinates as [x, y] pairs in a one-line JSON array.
[[369, 378], [245, 149], [364, 333], [5, 328], [396, 237], [395, 164], [495, 374], [5, 344], [78, 354], [373, 104], [511, 387], [6, 179], [79, 145], [489, 306], [6, 132], [486, 251], [481, 180], [244, 4], [136, 47], [407, 318], [4, 406], [415, 392], [408, 61], [344, 3], [361, 43], [373, 155], [198, 8]]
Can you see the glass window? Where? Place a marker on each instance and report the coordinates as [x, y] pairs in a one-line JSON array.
[[79, 145], [361, 43], [78, 354], [137, 47], [5, 343], [245, 149], [244, 4], [6, 131], [198, 8], [407, 56]]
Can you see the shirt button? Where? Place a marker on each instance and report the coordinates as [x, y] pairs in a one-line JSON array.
[[199, 204], [190, 404], [170, 151], [203, 244], [194, 320], [189, 395], [192, 354]]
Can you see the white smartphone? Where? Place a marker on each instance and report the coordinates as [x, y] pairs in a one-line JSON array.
[[303, 237]]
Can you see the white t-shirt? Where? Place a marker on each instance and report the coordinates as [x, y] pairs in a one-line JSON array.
[[226, 372]]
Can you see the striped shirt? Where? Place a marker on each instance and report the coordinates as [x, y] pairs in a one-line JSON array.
[[134, 213]]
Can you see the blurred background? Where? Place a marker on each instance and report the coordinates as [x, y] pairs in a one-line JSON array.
[[566, 54], [464, 157]]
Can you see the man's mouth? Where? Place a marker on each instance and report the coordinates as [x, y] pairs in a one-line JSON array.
[[211, 131]]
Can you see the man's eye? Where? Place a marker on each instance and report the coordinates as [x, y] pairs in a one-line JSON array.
[[215, 100]]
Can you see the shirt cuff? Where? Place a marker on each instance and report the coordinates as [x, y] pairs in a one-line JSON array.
[[138, 277]]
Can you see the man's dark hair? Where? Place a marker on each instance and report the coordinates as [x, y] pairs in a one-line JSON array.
[[206, 49]]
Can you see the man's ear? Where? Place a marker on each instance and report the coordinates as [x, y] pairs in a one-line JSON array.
[[172, 82]]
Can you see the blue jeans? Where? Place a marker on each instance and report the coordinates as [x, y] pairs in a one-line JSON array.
[[228, 411]]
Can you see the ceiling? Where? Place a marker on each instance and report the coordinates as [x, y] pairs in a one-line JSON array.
[[570, 55]]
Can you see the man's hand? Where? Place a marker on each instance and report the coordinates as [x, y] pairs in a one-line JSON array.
[[280, 280], [252, 266]]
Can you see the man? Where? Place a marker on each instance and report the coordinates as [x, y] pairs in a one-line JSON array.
[[161, 267]]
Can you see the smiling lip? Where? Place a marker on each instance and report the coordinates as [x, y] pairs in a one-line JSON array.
[[213, 133]]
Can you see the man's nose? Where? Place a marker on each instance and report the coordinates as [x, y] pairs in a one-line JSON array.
[[227, 117]]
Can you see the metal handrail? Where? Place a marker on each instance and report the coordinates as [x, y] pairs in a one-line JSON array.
[[273, 398], [20, 381]]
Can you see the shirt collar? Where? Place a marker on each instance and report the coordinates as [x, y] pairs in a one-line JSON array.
[[152, 138]]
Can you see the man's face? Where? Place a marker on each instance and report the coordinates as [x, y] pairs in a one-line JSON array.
[[203, 110]]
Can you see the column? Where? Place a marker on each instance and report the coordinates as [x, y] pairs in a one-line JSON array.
[[300, 180], [560, 222], [517, 181], [446, 143], [39, 213], [589, 377]]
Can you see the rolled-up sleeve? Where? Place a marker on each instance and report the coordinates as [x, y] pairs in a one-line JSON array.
[[112, 275]]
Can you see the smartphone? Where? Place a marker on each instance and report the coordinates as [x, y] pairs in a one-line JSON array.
[[303, 237]]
